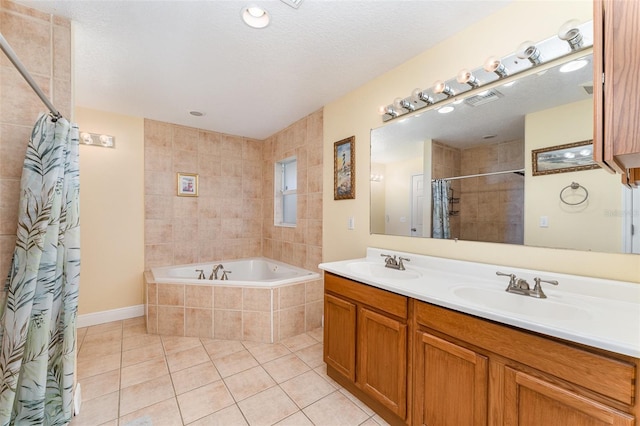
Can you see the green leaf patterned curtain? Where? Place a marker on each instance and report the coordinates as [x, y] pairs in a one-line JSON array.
[[39, 305]]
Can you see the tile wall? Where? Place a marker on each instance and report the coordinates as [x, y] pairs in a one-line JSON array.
[[43, 44]]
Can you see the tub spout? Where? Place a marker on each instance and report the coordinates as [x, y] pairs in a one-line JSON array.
[[214, 272]]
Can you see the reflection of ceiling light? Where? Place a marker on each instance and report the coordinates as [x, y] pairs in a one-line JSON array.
[[574, 65], [569, 155], [458, 102], [445, 110], [509, 84], [585, 152], [255, 17]]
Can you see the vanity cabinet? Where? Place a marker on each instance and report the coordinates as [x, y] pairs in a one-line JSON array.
[[365, 344], [616, 89], [476, 372]]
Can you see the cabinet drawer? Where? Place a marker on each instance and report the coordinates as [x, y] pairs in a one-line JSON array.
[[605, 375], [382, 300]]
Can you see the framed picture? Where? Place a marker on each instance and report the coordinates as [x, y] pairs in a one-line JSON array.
[[570, 157], [344, 169], [187, 185]]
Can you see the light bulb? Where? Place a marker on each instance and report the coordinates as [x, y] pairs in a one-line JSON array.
[[495, 65], [465, 77], [441, 87], [570, 33], [419, 95], [528, 50]]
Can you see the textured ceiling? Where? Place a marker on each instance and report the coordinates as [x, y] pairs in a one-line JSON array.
[[161, 59]]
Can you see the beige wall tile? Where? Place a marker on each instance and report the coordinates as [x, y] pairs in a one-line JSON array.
[[227, 324], [171, 294], [256, 299], [227, 297], [292, 295], [256, 326], [292, 321], [199, 296], [170, 321], [313, 315], [199, 322]]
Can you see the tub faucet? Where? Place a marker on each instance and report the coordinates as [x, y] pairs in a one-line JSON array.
[[224, 275], [201, 274], [214, 272]]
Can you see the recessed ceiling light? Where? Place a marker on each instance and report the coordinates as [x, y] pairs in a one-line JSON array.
[[255, 17], [573, 65], [445, 110]]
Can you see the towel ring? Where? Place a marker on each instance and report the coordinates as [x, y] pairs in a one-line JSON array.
[[574, 186]]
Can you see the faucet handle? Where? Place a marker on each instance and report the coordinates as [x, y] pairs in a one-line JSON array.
[[512, 277], [389, 258], [224, 275], [537, 289], [201, 274], [400, 264]]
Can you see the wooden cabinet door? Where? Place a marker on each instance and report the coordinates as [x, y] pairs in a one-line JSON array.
[[340, 335], [531, 401], [382, 360], [451, 384]]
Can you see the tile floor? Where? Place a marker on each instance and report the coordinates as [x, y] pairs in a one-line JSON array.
[[131, 378]]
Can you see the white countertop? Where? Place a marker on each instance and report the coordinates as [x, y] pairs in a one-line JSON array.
[[596, 312]]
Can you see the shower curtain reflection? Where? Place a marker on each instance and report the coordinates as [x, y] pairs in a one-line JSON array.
[[440, 227]]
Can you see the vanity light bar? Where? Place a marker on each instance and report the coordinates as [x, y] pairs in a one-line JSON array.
[[529, 55]]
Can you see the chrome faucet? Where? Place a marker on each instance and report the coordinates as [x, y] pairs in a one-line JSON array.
[[214, 272], [393, 263], [521, 286], [201, 274]]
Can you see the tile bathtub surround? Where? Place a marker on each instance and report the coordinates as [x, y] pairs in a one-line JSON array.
[[232, 217], [43, 44], [164, 380], [224, 312]]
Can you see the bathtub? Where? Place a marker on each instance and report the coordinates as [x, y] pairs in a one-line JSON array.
[[251, 272], [263, 300]]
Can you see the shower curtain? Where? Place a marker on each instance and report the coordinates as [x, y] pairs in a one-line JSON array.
[[38, 306], [440, 190]]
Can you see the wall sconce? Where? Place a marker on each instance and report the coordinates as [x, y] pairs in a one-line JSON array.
[[441, 87], [419, 95], [528, 50], [495, 65], [466, 77], [400, 103], [570, 33], [106, 141]]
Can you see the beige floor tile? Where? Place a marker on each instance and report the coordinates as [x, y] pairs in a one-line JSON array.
[[379, 420], [134, 330], [307, 388], [81, 333], [145, 394], [248, 383], [134, 321], [178, 343], [370, 422], [267, 407], [285, 368], [165, 413], [221, 348], [298, 342], [100, 384], [364, 407], [194, 377], [317, 334], [265, 352], [101, 328], [235, 363], [188, 358], [296, 419], [142, 354], [97, 365], [96, 349], [143, 372], [114, 335], [322, 372], [134, 342], [311, 355], [230, 416], [97, 411], [203, 401], [335, 409]]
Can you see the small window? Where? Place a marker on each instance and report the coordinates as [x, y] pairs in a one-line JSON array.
[[285, 192]]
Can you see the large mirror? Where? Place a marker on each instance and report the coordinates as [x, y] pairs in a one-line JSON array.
[[477, 159]]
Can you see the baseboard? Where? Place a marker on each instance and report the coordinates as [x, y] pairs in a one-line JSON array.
[[102, 317]]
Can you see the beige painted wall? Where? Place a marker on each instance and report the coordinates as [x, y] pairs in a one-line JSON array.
[[356, 114], [569, 226], [112, 208]]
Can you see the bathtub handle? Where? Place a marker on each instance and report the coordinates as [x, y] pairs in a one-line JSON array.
[[201, 274], [224, 275]]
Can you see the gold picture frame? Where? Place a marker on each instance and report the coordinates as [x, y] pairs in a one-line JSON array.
[[187, 184], [571, 157], [344, 169]]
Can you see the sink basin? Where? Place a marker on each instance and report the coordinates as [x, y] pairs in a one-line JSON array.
[[522, 305], [380, 271]]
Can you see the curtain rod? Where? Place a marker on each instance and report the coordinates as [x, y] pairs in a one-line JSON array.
[[6, 48], [518, 171]]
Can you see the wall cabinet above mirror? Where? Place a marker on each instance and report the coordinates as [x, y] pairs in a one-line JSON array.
[[471, 148]]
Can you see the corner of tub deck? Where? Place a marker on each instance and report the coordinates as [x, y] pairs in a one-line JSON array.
[[148, 277]]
